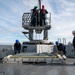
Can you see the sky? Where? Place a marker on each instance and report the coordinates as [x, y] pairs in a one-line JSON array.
[[62, 19]]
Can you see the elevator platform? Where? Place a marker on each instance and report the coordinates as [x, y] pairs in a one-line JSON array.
[[34, 58]]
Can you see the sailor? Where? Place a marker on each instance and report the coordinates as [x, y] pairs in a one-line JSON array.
[[34, 16], [43, 13], [17, 46], [73, 42], [61, 48]]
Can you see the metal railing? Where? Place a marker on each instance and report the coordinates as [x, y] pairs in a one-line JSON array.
[[26, 19]]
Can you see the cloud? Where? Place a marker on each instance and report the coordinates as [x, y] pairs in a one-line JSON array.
[[62, 18]]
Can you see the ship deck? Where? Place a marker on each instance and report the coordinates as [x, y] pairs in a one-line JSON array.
[[38, 69]]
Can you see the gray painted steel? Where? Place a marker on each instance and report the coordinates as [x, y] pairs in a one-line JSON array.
[[6, 50], [38, 69], [9, 50]]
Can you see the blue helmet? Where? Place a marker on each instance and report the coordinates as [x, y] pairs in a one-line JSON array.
[[17, 41], [56, 42]]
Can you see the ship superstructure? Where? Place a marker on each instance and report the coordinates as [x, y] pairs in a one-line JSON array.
[[38, 29]]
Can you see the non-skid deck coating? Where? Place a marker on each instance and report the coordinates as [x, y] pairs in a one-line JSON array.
[[38, 69]]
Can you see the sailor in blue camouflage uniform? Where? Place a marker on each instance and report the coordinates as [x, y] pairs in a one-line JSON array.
[[17, 46], [61, 48]]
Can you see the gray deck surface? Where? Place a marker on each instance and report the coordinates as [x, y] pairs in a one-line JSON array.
[[38, 69]]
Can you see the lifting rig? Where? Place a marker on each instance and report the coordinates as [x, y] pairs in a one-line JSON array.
[[26, 24], [38, 50]]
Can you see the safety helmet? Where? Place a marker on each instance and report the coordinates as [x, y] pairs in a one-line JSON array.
[[17, 41], [35, 7], [43, 6], [56, 42], [73, 32]]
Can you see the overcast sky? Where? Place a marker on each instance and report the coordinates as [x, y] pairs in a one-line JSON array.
[[62, 19]]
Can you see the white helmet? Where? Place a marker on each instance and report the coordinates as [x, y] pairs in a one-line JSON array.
[[73, 31]]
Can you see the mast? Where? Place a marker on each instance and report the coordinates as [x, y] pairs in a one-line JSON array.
[[39, 1]]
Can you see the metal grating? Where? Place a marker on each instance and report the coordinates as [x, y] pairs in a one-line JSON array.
[[26, 19]]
